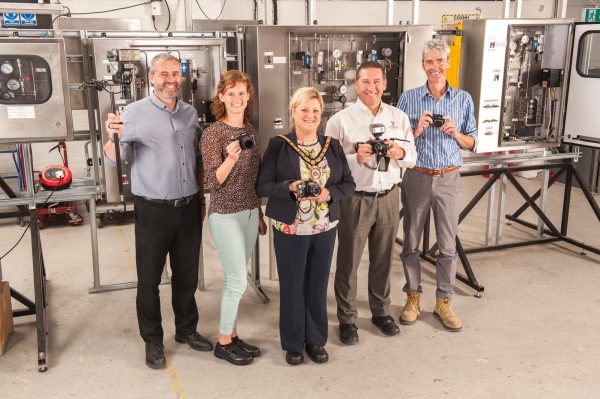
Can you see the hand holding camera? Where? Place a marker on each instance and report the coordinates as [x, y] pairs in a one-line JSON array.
[[429, 119], [246, 141], [233, 151], [309, 190]]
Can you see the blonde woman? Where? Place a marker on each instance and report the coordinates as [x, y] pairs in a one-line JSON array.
[[304, 175]]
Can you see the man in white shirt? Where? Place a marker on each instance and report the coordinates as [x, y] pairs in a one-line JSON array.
[[372, 213]]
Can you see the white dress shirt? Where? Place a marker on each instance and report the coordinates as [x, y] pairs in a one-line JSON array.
[[351, 126]]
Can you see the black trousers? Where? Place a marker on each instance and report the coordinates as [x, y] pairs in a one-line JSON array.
[[303, 263], [162, 230]]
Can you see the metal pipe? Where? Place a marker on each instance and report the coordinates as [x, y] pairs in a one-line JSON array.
[[505, 8], [157, 35], [518, 7], [562, 10], [389, 12], [94, 233], [415, 12], [311, 12], [187, 10]]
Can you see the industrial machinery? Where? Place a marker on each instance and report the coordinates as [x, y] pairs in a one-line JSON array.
[[584, 86], [118, 74], [281, 59], [34, 94], [581, 129], [515, 71]]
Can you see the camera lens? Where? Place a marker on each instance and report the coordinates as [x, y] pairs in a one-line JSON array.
[[438, 120], [247, 142]]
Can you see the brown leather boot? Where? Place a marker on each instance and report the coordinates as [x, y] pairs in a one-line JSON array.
[[411, 309], [444, 312]]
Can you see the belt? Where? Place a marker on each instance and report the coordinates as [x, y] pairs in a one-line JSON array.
[[435, 172], [375, 194], [173, 203]]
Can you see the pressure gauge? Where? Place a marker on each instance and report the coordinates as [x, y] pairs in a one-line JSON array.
[[6, 68], [524, 39], [513, 46], [13, 84], [343, 89], [336, 53], [386, 51]]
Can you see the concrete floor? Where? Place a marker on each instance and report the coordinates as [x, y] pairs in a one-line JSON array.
[[534, 332]]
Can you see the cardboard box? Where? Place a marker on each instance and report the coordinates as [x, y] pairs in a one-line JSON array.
[[6, 317]]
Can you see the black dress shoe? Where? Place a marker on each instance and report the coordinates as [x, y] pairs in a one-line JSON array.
[[348, 334], [195, 341], [233, 354], [386, 325], [252, 350], [294, 358], [317, 353], [155, 355]]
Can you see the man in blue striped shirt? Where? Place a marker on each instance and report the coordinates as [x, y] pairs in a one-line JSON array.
[[443, 123]]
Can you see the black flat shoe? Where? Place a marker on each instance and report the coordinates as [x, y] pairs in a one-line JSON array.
[[195, 341], [233, 354], [317, 353], [348, 334], [386, 324], [294, 358], [252, 350], [155, 355]]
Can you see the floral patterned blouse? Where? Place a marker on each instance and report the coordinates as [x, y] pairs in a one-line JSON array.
[[311, 217]]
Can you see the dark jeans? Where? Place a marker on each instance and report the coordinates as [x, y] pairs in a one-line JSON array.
[[162, 230], [303, 263]]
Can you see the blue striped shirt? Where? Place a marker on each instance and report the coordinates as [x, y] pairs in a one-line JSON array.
[[435, 149]]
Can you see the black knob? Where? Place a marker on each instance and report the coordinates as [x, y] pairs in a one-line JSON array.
[[4, 96]]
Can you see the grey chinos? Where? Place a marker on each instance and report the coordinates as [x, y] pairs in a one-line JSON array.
[[441, 194], [376, 219]]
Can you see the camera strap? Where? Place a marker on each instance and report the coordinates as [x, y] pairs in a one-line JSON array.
[[303, 155]]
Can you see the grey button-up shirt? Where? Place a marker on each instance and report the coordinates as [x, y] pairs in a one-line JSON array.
[[161, 147]]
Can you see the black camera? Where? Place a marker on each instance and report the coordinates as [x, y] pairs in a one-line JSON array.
[[308, 188], [378, 146], [438, 120], [246, 141]]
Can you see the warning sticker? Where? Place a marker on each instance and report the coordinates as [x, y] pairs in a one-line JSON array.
[[22, 112]]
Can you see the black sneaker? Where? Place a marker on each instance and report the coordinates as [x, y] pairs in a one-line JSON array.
[[348, 333], [155, 355], [252, 350], [233, 354], [386, 324], [195, 341], [317, 353]]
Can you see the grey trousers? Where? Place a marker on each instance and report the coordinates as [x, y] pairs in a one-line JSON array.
[[441, 194], [363, 218]]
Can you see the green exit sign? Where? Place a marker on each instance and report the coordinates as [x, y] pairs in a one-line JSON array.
[[591, 15]]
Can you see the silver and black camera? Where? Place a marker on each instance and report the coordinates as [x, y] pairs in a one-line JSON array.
[[308, 188], [246, 141], [438, 120], [378, 146]]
